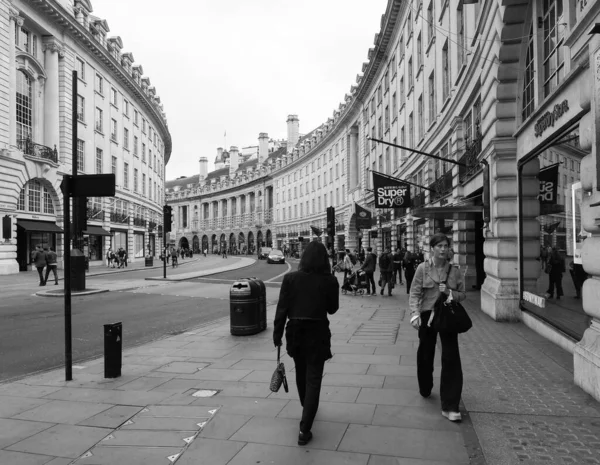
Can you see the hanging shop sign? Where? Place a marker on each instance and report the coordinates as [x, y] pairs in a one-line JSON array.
[[550, 117], [390, 193], [363, 217]]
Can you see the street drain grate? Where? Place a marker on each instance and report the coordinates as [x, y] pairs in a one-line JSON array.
[[382, 328]]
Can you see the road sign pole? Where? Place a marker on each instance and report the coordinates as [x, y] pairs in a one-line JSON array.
[[67, 272], [164, 234]]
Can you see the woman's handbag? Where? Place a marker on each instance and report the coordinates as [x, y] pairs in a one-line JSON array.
[[449, 316], [278, 377]]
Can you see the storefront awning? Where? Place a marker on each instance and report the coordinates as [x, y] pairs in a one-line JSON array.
[[96, 231], [451, 212], [33, 225]]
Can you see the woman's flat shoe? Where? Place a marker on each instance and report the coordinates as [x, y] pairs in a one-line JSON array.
[[304, 438], [452, 416]]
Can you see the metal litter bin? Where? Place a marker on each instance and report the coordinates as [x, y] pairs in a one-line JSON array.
[[113, 349], [246, 317]]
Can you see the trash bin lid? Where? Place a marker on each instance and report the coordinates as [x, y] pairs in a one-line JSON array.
[[241, 288]]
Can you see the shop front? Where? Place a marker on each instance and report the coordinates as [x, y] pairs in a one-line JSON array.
[[119, 240], [93, 242], [31, 233], [138, 244]]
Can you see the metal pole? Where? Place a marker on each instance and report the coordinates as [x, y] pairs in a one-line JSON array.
[[67, 236], [164, 238]]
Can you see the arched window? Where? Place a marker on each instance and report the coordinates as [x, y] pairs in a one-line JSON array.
[[24, 106], [35, 197]]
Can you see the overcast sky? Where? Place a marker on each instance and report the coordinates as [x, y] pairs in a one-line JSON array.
[[242, 66]]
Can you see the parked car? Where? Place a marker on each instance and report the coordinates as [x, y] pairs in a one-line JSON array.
[[264, 253], [276, 256]]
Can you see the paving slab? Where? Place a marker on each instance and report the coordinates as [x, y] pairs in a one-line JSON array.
[[144, 383], [145, 438], [328, 393], [112, 417], [11, 406], [245, 405], [58, 411], [18, 389], [284, 432], [282, 455], [114, 397], [129, 456], [342, 379], [182, 367], [163, 424], [382, 460], [346, 368], [213, 374], [13, 431], [390, 397], [224, 425], [205, 451], [427, 417], [66, 441], [405, 442], [20, 458], [333, 411]]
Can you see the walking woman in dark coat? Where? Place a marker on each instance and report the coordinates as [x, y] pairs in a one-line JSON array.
[[307, 296]]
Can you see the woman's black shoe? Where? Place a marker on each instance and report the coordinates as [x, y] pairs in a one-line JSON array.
[[304, 438]]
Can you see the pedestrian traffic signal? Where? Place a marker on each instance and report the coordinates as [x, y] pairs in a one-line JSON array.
[[330, 221], [167, 218]]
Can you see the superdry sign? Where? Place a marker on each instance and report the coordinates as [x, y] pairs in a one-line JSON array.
[[390, 193]]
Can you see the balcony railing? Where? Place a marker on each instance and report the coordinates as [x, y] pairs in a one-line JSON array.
[[93, 213], [471, 159], [418, 200], [139, 221], [151, 225], [442, 186], [37, 150]]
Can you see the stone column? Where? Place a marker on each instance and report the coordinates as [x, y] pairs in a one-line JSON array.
[[410, 233], [15, 20], [463, 238], [53, 50], [586, 356], [353, 157], [500, 291]]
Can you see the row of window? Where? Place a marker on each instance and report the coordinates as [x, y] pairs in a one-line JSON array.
[[301, 209]]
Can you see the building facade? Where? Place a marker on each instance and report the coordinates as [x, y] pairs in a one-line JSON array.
[[121, 129], [506, 95]]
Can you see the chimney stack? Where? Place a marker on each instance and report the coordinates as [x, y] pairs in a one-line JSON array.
[[234, 160], [203, 168], [263, 147], [293, 132], [219, 159]]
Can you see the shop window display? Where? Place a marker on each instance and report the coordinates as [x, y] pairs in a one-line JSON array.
[[551, 286]]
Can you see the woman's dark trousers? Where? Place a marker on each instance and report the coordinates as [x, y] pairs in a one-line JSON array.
[[409, 274], [452, 376], [308, 380], [370, 283]]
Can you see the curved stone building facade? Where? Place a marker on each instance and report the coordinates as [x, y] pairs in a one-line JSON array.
[[121, 129], [495, 106]]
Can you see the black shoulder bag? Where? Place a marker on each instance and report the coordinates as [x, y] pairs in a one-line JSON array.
[[278, 377], [450, 316]]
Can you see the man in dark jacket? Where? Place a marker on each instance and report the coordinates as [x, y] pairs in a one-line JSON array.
[[386, 269], [410, 263], [39, 261], [369, 268], [52, 264]]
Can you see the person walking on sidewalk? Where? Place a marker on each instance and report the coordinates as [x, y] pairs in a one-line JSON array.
[[347, 264], [52, 264], [398, 256], [427, 284], [305, 299], [555, 269], [409, 264], [386, 269], [39, 261], [369, 268]]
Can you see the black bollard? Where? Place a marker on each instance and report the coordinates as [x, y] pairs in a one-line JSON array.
[[113, 348]]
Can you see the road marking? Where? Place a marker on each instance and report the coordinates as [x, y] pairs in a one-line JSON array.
[[279, 275]]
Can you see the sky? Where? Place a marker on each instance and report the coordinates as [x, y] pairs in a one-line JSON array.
[[227, 70]]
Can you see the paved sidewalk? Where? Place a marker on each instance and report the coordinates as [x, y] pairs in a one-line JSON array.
[[202, 397]]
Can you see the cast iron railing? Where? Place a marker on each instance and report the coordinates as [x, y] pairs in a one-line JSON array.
[[471, 159], [442, 186], [37, 150]]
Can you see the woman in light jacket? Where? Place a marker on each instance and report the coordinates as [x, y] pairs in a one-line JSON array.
[[307, 296], [426, 286]]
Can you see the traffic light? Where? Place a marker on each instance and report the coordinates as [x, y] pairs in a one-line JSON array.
[[167, 218], [330, 221]]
